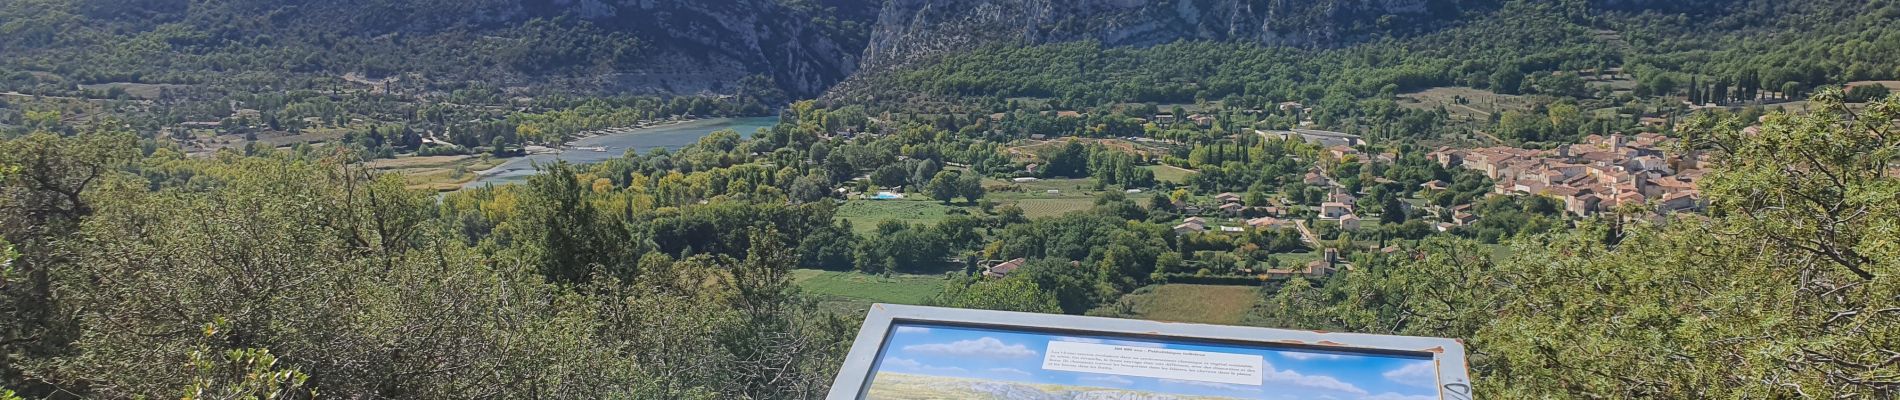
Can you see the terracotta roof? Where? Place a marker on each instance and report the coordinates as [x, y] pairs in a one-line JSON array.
[[1005, 268], [1562, 191]]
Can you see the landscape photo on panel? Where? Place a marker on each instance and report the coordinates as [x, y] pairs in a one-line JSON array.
[[927, 361]]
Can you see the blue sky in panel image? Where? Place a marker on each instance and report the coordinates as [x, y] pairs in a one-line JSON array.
[[992, 355]]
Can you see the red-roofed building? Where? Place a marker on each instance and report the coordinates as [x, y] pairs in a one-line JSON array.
[[1003, 269]]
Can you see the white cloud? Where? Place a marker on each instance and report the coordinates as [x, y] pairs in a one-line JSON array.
[[902, 363], [941, 370], [1396, 396], [1215, 385], [984, 346], [912, 329], [1009, 371], [1109, 380], [1420, 374], [905, 364], [1312, 381], [1291, 377]]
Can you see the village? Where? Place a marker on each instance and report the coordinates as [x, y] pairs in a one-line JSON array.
[[1603, 174], [1599, 175]]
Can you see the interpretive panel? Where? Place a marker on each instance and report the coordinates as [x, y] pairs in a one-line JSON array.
[[1153, 362], [932, 361]]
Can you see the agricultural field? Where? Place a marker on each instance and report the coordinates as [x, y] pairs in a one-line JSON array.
[[1029, 149], [1051, 207], [435, 173], [1465, 104], [851, 292], [71, 109], [1042, 186], [1037, 202], [1169, 173], [311, 135], [865, 214], [1034, 198], [147, 91], [1210, 304]]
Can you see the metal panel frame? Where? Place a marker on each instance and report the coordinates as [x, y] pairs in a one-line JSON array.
[[1454, 381]]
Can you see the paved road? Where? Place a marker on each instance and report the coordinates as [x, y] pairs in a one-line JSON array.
[[1306, 234]]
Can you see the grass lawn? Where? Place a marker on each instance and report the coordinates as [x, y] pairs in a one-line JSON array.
[[1052, 207], [1169, 173], [865, 214], [1290, 260], [1042, 186], [1211, 304], [1071, 195], [852, 292]]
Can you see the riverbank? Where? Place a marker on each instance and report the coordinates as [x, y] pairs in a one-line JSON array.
[[618, 130], [612, 143], [435, 173]]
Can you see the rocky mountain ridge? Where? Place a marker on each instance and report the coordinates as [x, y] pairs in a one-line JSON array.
[[600, 46], [802, 48], [910, 29], [687, 46]]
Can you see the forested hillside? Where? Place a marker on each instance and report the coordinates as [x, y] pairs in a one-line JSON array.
[[683, 47], [1757, 47], [908, 29]]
